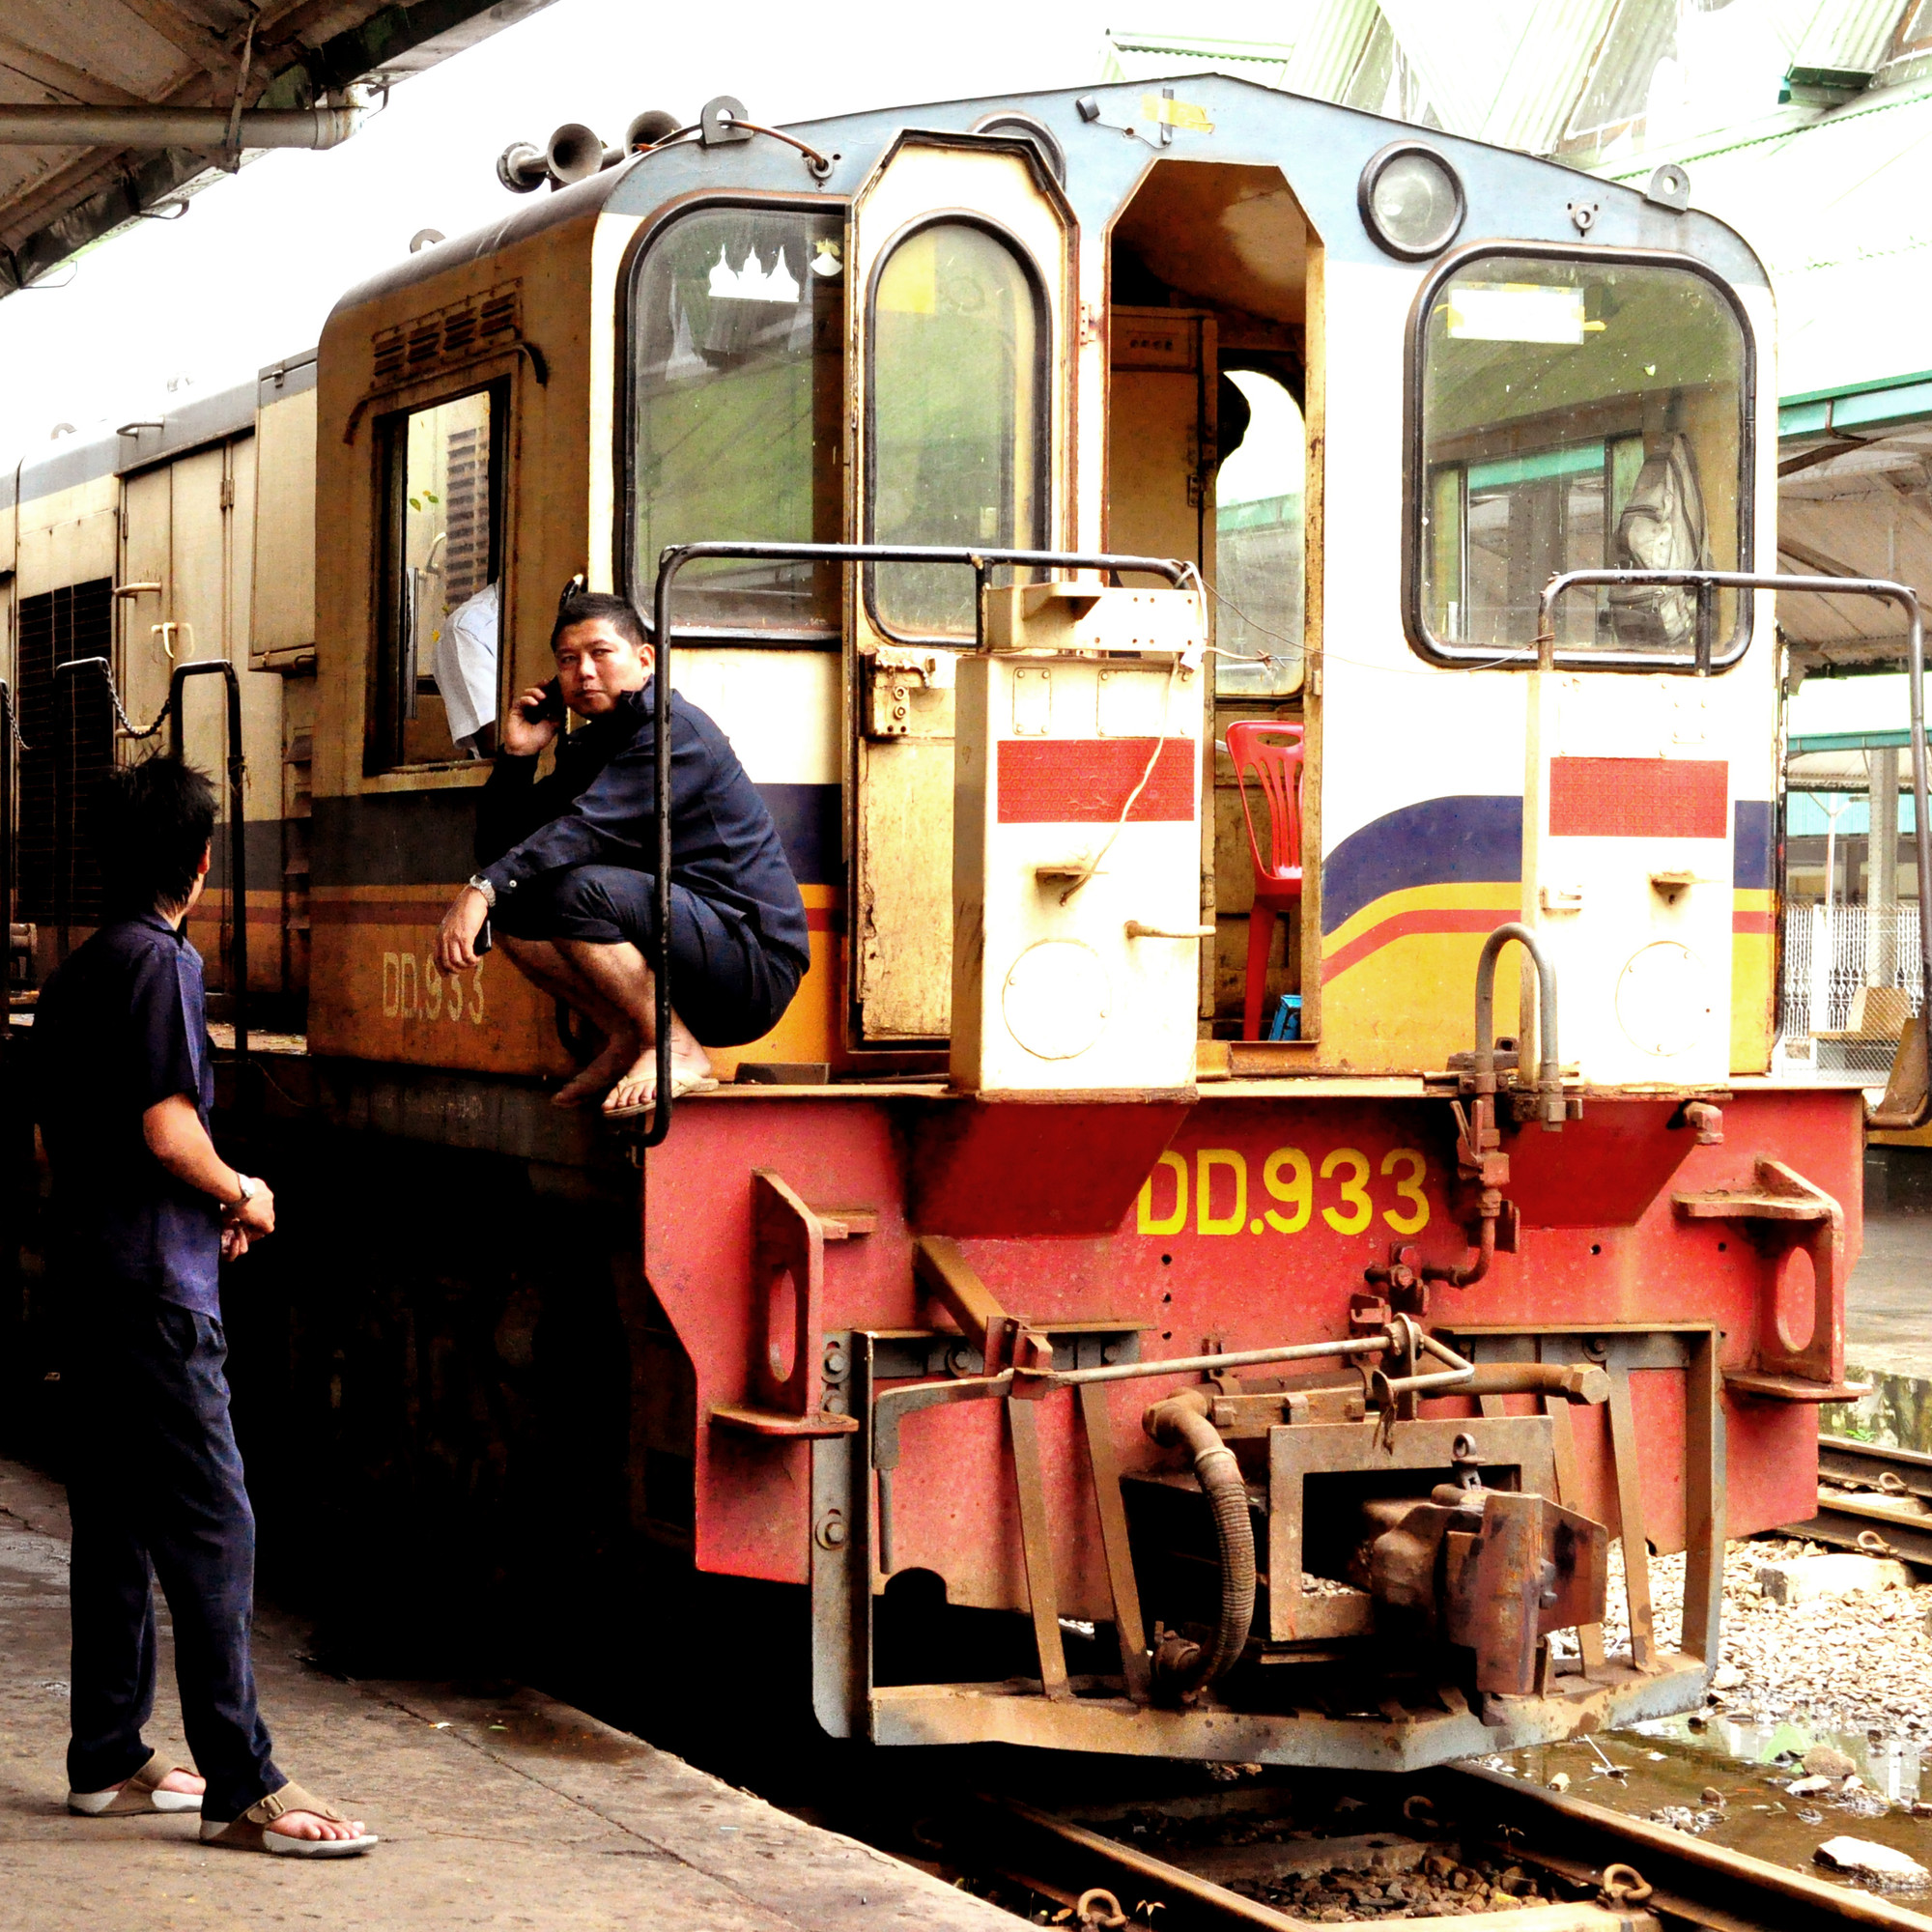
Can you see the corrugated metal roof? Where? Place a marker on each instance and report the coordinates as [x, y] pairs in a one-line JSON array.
[[165, 53], [1328, 47], [1832, 199], [1148, 56], [1836, 208], [1850, 35], [1503, 71]]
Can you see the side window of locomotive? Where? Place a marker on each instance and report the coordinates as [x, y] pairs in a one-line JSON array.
[[1577, 415], [738, 358], [1258, 538], [437, 668], [958, 400]]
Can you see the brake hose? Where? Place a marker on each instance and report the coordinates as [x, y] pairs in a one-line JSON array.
[[1180, 1421]]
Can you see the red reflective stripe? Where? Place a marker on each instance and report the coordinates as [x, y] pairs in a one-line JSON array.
[[1639, 798], [1407, 925], [1087, 781]]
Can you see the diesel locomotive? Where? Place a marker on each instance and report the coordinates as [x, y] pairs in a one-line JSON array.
[[1182, 563]]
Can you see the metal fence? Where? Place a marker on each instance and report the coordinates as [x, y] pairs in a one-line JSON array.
[[1851, 980]]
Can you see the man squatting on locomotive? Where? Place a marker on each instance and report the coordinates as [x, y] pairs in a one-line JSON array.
[[145, 1210], [569, 863]]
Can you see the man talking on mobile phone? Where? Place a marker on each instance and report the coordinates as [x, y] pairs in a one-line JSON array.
[[568, 878]]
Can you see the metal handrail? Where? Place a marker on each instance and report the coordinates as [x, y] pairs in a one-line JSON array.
[[673, 559], [237, 831], [1704, 583], [237, 861]]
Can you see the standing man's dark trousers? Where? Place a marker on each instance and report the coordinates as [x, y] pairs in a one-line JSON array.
[[154, 1475]]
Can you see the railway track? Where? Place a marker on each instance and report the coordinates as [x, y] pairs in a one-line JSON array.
[[1425, 1851], [1872, 1499]]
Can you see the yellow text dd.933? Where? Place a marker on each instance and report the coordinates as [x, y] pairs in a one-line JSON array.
[[1344, 1187]]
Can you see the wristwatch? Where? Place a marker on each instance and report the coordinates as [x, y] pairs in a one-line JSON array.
[[478, 883], [248, 1193]]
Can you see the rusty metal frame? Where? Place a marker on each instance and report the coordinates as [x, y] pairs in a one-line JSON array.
[[1692, 1348], [851, 1542], [1782, 1213], [1297, 1450]]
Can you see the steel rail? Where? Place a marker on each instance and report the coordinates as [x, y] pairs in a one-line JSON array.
[[1874, 1499], [1675, 1863], [1201, 1901], [1644, 1875], [673, 560]]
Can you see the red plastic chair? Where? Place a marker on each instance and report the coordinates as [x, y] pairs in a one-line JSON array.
[[1272, 753]]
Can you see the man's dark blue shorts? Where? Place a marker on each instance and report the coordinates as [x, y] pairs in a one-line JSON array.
[[725, 985]]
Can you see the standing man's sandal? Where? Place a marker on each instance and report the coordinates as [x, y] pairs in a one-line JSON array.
[[250, 1832], [142, 1793]]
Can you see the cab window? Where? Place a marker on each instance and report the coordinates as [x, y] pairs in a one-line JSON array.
[[737, 332], [437, 667], [958, 419], [1575, 416]]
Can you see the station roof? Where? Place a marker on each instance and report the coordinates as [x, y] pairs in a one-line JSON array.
[[187, 53]]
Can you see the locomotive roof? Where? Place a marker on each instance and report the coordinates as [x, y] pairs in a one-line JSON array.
[[1510, 194]]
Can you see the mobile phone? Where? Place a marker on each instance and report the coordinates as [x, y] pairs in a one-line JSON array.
[[550, 710], [483, 942]]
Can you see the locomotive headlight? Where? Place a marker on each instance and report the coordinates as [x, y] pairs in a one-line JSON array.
[[1411, 202]]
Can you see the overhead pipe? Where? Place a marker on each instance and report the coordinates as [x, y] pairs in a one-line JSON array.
[[63, 127]]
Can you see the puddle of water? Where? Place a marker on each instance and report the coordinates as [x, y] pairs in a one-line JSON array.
[[1669, 1764]]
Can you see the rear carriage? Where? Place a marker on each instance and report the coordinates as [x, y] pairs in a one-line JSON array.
[[1289, 1396]]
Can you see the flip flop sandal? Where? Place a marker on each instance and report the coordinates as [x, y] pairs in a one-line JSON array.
[[644, 1109], [250, 1832], [140, 1794]]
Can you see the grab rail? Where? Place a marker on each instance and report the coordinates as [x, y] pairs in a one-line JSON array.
[[673, 559], [237, 831], [1705, 582]]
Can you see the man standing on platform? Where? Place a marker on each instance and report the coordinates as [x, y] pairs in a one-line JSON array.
[[144, 1212]]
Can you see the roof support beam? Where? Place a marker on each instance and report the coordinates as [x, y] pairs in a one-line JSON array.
[[57, 74], [187, 36]]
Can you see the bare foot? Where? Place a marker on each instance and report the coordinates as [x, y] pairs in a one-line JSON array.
[[621, 1050], [182, 1780], [311, 1825]]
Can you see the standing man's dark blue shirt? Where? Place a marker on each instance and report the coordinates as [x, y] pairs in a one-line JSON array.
[[118, 1029]]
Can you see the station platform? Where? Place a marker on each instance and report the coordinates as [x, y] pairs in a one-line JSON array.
[[495, 1807]]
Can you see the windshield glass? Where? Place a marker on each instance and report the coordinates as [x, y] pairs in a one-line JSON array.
[[957, 418], [1578, 415], [738, 327]]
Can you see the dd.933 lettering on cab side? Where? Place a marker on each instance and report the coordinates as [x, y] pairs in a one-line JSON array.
[[1285, 1190]]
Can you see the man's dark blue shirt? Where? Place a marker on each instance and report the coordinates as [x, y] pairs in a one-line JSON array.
[[599, 808], [118, 1029]]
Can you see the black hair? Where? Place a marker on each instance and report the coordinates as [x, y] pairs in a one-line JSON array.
[[587, 606], [151, 824]]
